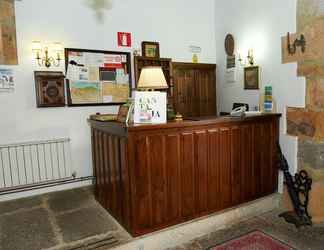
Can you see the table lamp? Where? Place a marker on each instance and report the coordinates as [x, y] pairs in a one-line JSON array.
[[150, 105], [152, 78]]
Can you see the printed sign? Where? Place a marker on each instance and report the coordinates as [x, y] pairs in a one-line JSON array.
[[124, 39], [150, 107]]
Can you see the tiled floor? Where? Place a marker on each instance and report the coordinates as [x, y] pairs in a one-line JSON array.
[[64, 220], [311, 238], [73, 220]]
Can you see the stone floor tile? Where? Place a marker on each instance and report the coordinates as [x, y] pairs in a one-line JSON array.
[[84, 223], [193, 246], [70, 199], [26, 230], [16, 205]]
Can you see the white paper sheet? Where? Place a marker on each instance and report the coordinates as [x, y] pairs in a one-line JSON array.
[[7, 80], [94, 59]]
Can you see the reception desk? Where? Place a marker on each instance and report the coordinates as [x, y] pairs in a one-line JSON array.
[[153, 176]]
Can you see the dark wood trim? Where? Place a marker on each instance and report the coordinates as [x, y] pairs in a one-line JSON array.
[[209, 66]]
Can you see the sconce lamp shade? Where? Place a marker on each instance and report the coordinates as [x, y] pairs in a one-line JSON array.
[[57, 47], [36, 46], [152, 78]]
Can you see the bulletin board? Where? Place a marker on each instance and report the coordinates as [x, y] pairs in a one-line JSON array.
[[97, 77]]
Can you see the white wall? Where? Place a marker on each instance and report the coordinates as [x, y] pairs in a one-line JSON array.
[[176, 24], [260, 24]]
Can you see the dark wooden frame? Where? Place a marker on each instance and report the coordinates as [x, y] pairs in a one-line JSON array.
[[56, 76], [129, 68], [145, 43], [256, 70]]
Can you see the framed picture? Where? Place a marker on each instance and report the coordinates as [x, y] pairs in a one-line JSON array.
[[97, 77], [123, 113], [151, 49], [251, 77], [49, 89]]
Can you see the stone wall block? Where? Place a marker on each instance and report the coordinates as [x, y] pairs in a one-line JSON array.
[[315, 94]]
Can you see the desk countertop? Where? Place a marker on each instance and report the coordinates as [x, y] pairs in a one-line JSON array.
[[189, 122]]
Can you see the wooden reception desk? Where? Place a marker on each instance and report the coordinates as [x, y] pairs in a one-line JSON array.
[[153, 176]]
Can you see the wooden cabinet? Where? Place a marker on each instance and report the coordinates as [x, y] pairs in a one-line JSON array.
[[153, 176], [194, 89]]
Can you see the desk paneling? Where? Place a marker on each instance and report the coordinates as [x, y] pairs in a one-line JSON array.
[[151, 179]]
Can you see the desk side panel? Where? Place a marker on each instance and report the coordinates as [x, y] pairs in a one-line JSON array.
[[110, 167]]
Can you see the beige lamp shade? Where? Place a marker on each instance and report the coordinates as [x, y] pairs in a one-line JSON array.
[[36, 46], [152, 78]]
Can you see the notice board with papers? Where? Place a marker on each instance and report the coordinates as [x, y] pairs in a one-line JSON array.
[[97, 77]]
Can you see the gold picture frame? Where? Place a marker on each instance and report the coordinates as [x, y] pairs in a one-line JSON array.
[[151, 49], [251, 77]]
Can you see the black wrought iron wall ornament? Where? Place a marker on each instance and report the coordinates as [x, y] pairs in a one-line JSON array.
[[301, 42], [298, 188]]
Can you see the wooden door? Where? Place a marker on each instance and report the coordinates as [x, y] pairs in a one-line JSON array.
[[206, 85], [194, 89], [184, 91]]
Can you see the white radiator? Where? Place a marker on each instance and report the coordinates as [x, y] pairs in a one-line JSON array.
[[32, 164]]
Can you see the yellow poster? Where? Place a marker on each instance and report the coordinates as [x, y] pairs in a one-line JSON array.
[[8, 44], [112, 92]]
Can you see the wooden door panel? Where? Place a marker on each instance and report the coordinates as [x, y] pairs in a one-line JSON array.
[[201, 170], [118, 170], [212, 96], [125, 184], [236, 166], [107, 177], [173, 173], [213, 170], [225, 184], [183, 91], [112, 163], [187, 174], [179, 84], [266, 170], [258, 152], [202, 86], [247, 163], [275, 141], [157, 161], [142, 173], [190, 93]]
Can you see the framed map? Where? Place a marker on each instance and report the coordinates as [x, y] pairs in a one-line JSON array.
[[96, 77], [8, 42]]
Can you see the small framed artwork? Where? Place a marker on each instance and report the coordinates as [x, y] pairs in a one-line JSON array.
[[151, 49], [251, 77], [49, 89], [123, 113]]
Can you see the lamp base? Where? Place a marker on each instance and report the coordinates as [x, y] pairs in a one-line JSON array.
[[178, 117]]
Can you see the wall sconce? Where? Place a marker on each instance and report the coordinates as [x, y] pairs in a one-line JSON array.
[[292, 48], [42, 54], [249, 59]]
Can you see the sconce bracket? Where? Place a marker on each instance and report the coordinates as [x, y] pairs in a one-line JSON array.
[[292, 48]]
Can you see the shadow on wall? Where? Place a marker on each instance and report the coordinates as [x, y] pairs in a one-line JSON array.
[[99, 7]]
